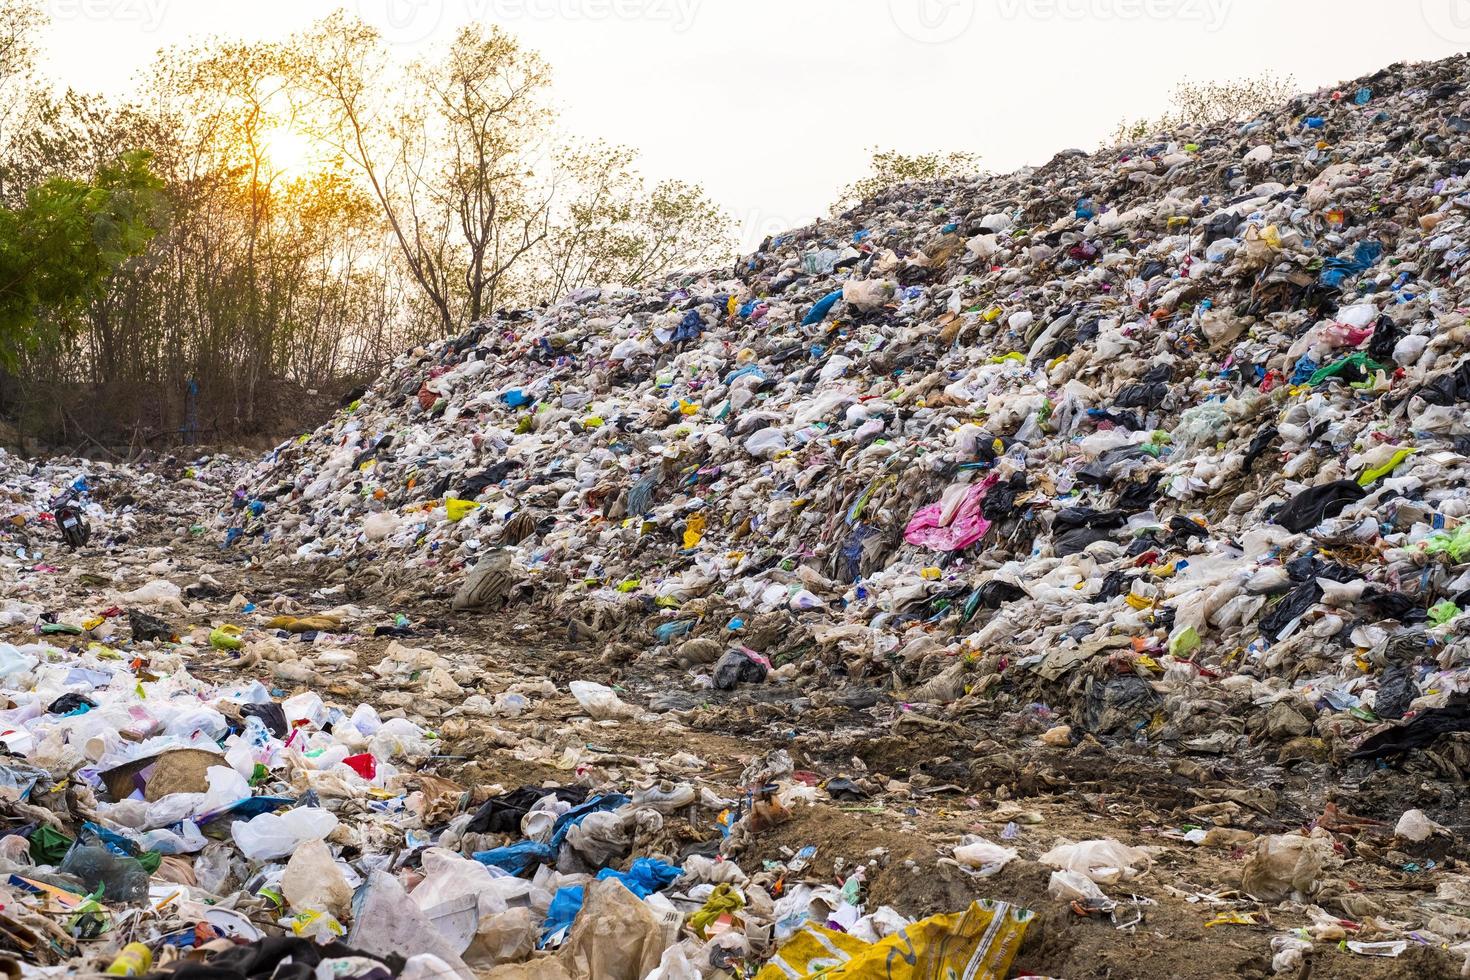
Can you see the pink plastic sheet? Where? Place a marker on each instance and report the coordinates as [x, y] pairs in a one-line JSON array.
[[950, 526]]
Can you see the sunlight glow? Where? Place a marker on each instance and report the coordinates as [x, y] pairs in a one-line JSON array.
[[290, 152]]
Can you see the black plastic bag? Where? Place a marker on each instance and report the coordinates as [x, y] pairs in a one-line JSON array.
[[1316, 504], [735, 668], [146, 628]]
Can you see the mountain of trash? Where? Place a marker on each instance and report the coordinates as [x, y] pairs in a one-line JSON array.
[[1190, 410], [1063, 571]]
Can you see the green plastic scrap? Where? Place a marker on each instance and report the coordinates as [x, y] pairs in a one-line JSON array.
[[1377, 473], [49, 846], [1454, 543], [856, 511], [1359, 360], [1443, 612], [1185, 643], [972, 605]]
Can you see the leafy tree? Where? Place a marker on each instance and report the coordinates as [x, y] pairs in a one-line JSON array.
[[487, 96], [20, 21], [485, 207], [450, 165], [327, 207], [60, 249]]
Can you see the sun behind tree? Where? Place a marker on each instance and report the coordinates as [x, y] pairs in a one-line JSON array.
[[291, 152]]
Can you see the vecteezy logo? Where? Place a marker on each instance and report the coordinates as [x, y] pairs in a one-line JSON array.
[[403, 21], [1450, 19], [148, 14], [932, 21]]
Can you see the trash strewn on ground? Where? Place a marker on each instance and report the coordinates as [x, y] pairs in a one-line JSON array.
[[1058, 573]]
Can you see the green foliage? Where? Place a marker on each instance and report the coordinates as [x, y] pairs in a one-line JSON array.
[[891, 168], [59, 250]]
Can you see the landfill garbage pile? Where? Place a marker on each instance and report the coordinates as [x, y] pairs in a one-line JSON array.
[[1150, 436], [1058, 572], [233, 835]]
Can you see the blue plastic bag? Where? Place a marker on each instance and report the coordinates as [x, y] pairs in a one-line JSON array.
[[689, 328], [1335, 271], [644, 877], [671, 631], [517, 859], [571, 818], [822, 308], [565, 905]]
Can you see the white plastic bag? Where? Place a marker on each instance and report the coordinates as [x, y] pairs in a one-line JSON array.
[[399, 737], [600, 702], [15, 663], [313, 882], [226, 786], [1104, 861], [1073, 886], [986, 857], [1281, 866], [447, 876], [766, 443], [157, 591], [1415, 826], [270, 836]]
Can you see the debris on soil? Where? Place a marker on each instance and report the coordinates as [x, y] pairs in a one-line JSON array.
[[1053, 574]]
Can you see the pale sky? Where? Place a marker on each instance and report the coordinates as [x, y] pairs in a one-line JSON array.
[[773, 104]]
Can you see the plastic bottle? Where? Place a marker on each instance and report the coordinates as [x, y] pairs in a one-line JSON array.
[[134, 961]]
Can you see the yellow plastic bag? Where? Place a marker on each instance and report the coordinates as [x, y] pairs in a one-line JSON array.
[[458, 510], [1261, 245], [811, 951], [1232, 919], [694, 530], [316, 925], [724, 900], [979, 943], [1377, 473]]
